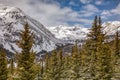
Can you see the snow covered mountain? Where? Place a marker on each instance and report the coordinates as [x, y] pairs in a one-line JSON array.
[[12, 20], [11, 23], [80, 33], [111, 27], [69, 33]]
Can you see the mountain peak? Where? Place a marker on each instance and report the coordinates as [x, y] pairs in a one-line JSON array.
[[12, 20], [8, 9], [111, 27], [72, 33]]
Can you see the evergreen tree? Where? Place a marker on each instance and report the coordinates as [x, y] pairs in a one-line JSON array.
[[93, 31], [116, 45], [26, 65], [54, 66], [3, 66], [61, 62], [12, 71], [104, 65], [41, 72], [12, 66], [46, 74], [100, 34], [66, 66], [116, 55], [46, 62], [75, 63], [93, 45], [91, 48], [52, 69]]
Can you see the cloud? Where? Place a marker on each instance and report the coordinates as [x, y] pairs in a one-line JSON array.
[[89, 10], [72, 3], [85, 1], [116, 10], [99, 2], [49, 14], [105, 14], [111, 13], [90, 7]]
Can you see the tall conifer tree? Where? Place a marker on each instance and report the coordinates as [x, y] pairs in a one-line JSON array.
[[116, 45], [116, 55], [76, 62], [26, 65], [93, 45]]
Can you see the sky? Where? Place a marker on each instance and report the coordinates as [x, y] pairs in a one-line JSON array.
[[68, 12]]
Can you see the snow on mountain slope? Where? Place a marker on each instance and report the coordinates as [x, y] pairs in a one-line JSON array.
[[11, 23], [69, 33], [111, 27], [80, 33]]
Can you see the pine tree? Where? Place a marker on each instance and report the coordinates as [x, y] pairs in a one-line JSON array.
[[93, 31], [61, 62], [26, 65], [104, 65], [102, 56], [52, 69], [12, 66], [116, 45], [46, 62], [116, 55], [54, 66], [66, 67], [46, 74], [3, 66], [41, 72], [100, 34], [12, 71], [93, 45], [76, 63]]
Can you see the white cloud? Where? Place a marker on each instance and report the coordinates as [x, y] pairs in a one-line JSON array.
[[89, 10], [72, 3], [85, 1], [99, 2], [91, 7], [105, 14], [116, 10], [49, 14], [109, 13]]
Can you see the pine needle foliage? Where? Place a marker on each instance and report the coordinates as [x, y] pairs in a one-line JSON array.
[[3, 65], [26, 61]]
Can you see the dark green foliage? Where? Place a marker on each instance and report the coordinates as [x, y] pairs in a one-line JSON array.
[[26, 64], [104, 65], [54, 66], [116, 56], [116, 45], [3, 66], [11, 69], [75, 63]]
